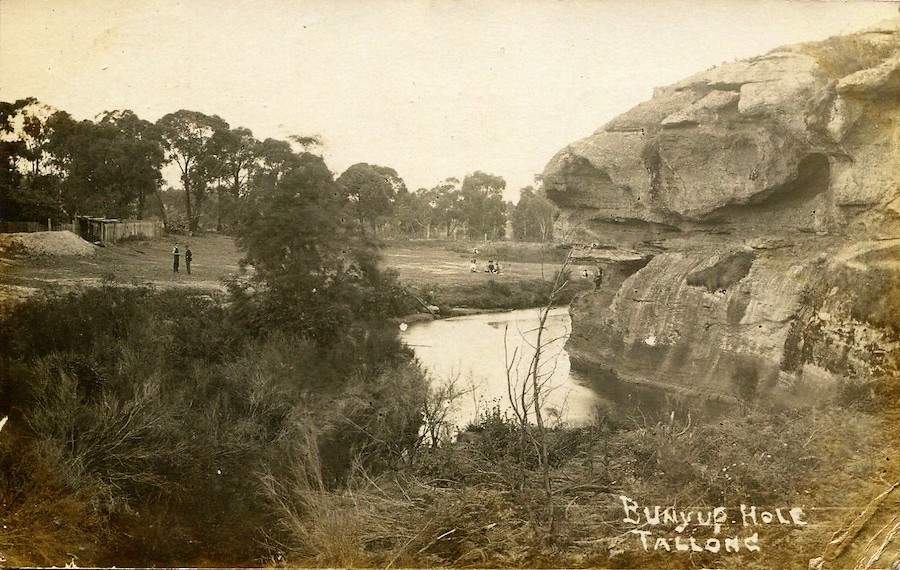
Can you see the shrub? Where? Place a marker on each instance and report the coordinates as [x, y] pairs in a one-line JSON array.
[[122, 433], [840, 56]]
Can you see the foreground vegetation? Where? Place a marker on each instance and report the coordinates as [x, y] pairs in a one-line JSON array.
[[147, 422], [153, 429]]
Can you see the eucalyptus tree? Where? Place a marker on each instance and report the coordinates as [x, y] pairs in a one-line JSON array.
[[448, 207], [371, 192], [138, 154], [84, 156], [28, 120], [107, 167], [190, 141], [29, 183], [532, 217], [484, 209], [313, 275], [416, 212], [273, 158], [238, 151]]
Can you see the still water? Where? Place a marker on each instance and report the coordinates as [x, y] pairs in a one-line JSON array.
[[474, 352]]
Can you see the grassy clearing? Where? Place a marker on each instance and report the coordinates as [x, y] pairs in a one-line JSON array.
[[132, 262], [439, 273], [510, 251], [436, 271]]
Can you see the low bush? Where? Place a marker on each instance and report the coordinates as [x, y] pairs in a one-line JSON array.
[[158, 413], [840, 56]]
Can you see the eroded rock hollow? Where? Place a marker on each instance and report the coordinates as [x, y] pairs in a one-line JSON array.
[[746, 220]]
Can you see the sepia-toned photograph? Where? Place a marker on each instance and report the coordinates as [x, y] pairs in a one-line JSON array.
[[450, 284]]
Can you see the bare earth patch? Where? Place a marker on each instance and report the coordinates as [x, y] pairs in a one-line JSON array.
[[45, 243]]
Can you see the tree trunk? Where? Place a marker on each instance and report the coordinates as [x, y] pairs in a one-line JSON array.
[[188, 212], [362, 223], [162, 210], [200, 191], [219, 210], [140, 212]]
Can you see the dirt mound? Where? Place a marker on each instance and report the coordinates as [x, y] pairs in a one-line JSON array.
[[45, 243]]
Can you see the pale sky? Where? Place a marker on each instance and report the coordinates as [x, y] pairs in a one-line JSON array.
[[432, 89]]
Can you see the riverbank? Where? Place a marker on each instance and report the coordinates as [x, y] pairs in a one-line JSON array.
[[496, 294]]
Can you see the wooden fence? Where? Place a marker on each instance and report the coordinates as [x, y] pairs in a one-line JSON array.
[[27, 227], [92, 229]]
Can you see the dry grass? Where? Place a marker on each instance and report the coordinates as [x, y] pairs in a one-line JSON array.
[[461, 505], [42, 522], [840, 56]]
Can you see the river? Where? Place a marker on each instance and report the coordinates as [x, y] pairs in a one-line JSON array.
[[473, 352]]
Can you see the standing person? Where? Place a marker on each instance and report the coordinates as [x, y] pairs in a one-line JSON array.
[[188, 256], [175, 258], [473, 267]]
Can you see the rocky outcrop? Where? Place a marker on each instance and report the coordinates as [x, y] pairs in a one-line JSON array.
[[750, 193]]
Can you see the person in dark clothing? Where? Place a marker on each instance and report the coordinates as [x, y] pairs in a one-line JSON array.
[[188, 256], [176, 257]]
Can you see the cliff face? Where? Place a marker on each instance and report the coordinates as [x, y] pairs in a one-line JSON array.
[[746, 219]]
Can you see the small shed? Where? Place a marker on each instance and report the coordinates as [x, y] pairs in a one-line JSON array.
[[108, 230]]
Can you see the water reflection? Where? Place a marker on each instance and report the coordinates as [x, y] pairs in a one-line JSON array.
[[475, 352]]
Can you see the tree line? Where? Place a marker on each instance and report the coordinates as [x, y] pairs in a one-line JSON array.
[[55, 167]]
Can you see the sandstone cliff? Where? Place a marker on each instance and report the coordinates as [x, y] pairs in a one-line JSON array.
[[746, 219]]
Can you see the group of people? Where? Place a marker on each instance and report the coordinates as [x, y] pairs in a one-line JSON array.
[[176, 255], [598, 276], [492, 267]]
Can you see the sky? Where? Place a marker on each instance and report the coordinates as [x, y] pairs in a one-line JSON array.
[[434, 89]]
